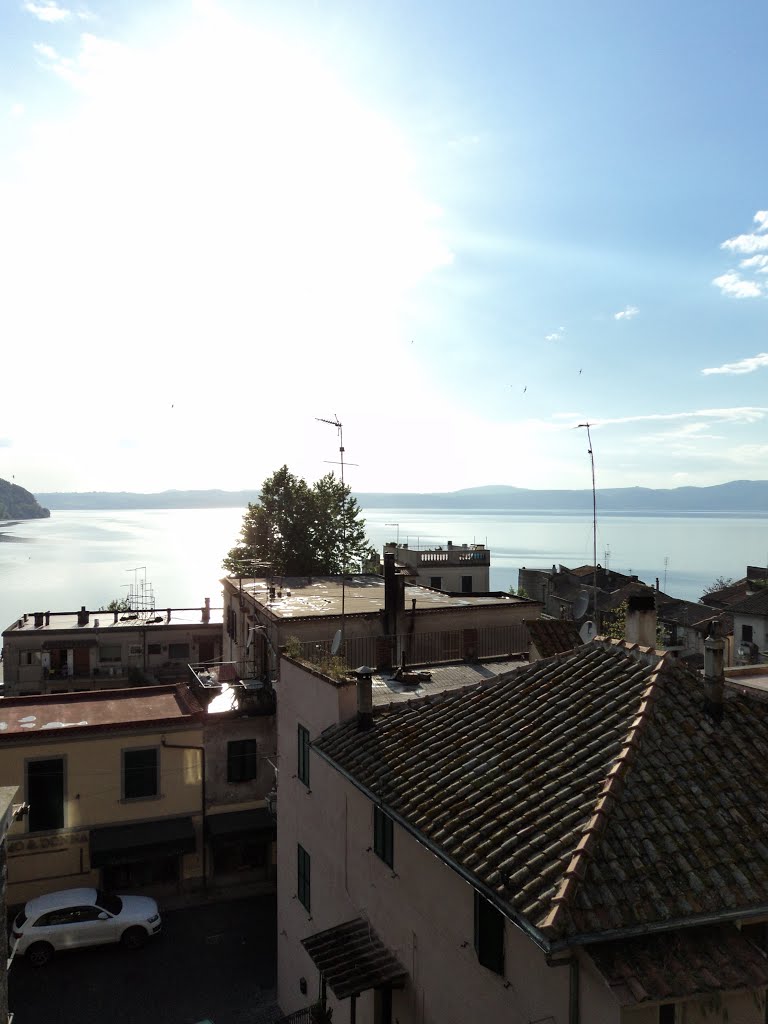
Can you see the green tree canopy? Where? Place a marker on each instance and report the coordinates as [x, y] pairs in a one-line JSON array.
[[301, 530]]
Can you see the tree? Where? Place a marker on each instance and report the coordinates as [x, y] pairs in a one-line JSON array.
[[719, 584], [298, 530]]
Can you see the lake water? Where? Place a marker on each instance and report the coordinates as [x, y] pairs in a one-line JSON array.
[[89, 558]]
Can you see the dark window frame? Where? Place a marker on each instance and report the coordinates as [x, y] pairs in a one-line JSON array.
[[304, 877], [489, 934], [466, 585], [242, 760], [383, 836], [135, 784], [50, 817], [179, 651], [302, 759], [747, 633]]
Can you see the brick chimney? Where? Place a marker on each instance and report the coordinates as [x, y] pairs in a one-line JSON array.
[[640, 624], [83, 616]]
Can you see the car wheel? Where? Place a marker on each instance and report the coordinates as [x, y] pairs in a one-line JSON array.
[[39, 954], [134, 938]]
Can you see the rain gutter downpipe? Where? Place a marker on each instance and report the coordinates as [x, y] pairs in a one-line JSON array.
[[193, 746], [572, 963]]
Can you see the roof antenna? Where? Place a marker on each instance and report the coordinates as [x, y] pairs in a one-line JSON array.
[[335, 422], [594, 519]]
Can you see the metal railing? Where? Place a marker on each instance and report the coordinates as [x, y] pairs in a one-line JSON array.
[[418, 648]]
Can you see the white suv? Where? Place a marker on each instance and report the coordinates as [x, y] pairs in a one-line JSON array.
[[82, 917]]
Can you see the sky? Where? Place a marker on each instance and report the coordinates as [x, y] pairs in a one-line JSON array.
[[458, 229]]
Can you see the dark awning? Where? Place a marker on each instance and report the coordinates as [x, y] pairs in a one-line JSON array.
[[241, 824], [681, 963], [352, 958], [124, 844]]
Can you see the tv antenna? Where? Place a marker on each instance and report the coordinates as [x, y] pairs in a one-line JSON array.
[[335, 422], [594, 517]]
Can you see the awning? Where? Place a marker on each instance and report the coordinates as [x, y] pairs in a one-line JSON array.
[[353, 959], [241, 824], [678, 964], [125, 844]]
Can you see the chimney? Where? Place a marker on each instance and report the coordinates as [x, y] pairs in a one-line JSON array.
[[207, 610], [168, 613], [657, 585], [714, 675], [83, 617], [47, 618], [394, 595], [115, 614], [39, 617], [364, 697], [640, 625]]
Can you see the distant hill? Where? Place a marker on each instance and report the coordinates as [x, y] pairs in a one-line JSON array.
[[17, 503], [746, 496]]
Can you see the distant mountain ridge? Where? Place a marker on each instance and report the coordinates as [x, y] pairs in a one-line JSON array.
[[748, 496], [18, 503]]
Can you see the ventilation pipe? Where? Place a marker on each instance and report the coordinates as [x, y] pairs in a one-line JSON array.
[[364, 697], [714, 674]]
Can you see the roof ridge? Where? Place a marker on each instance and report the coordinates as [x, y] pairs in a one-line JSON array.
[[607, 797]]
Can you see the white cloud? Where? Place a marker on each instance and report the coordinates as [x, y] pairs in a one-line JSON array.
[[17, 110], [47, 10], [737, 414], [761, 219], [748, 365], [732, 284], [760, 263], [555, 335], [628, 313]]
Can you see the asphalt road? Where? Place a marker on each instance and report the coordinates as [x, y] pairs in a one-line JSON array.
[[215, 961]]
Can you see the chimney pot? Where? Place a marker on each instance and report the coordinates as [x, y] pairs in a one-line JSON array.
[[714, 674], [640, 624], [364, 697]]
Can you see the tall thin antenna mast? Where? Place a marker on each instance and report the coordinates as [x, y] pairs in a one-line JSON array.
[[336, 423], [594, 521]]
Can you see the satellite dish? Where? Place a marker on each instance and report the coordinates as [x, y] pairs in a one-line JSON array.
[[581, 604], [336, 642], [588, 631]]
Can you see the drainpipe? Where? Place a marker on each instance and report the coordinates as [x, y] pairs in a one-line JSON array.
[[192, 746], [572, 963]]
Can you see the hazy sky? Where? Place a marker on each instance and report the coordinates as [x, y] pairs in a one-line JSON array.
[[462, 228]]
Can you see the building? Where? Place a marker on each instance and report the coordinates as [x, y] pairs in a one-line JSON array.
[[137, 789], [57, 652], [7, 816], [457, 568], [383, 621], [579, 840], [750, 627]]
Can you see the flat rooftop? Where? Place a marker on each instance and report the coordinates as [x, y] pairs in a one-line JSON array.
[[457, 676], [98, 710], [55, 622], [301, 597]]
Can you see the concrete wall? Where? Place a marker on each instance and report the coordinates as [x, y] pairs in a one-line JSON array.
[[220, 730]]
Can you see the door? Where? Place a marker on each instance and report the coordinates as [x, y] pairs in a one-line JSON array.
[[45, 794]]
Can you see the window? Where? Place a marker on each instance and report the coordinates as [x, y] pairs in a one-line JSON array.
[[382, 836], [134, 650], [746, 634], [111, 652], [436, 582], [303, 765], [242, 761], [667, 1014], [45, 794], [30, 658], [466, 584], [153, 648], [178, 652], [489, 935], [303, 878], [140, 774]]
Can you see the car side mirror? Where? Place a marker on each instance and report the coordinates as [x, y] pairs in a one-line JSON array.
[[103, 916]]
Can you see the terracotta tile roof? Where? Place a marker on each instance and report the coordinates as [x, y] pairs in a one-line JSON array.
[[353, 959], [755, 604], [588, 793], [553, 636], [680, 964]]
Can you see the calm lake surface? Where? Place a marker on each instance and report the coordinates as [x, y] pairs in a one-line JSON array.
[[89, 558]]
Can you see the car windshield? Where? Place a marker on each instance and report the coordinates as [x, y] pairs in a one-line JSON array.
[[105, 900]]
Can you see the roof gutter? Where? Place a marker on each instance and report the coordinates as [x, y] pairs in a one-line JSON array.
[[504, 908]]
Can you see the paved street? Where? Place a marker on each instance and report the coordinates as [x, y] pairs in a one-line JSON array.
[[212, 961]]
